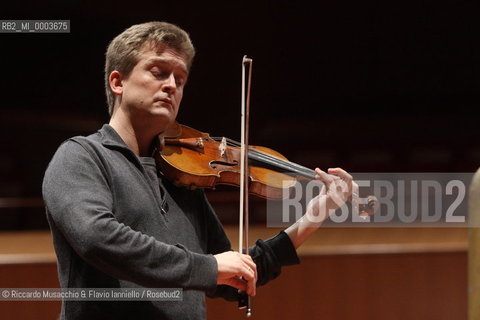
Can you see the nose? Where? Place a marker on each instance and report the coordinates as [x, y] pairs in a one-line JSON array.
[[169, 86]]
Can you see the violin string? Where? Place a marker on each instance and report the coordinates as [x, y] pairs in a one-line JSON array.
[[263, 157], [260, 156], [274, 161]]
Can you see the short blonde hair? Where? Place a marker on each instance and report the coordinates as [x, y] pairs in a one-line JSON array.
[[123, 51]]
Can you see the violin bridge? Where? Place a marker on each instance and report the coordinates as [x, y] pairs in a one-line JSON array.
[[222, 146]]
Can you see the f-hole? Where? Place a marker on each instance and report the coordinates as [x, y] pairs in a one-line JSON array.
[[213, 164]]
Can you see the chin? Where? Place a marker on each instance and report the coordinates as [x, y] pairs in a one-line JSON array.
[[162, 121]]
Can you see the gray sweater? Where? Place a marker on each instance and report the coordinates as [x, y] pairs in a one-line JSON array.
[[115, 224]]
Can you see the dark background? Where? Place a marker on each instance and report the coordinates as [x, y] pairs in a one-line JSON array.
[[371, 86]]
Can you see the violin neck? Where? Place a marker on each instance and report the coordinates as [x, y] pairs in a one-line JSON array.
[[281, 165]]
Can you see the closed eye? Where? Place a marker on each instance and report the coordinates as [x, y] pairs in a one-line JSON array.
[[164, 74], [179, 82], [160, 75]]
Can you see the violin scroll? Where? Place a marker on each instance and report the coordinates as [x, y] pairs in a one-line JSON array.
[[369, 207]]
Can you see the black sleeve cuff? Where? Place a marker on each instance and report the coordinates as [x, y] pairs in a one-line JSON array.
[[269, 256], [283, 249]]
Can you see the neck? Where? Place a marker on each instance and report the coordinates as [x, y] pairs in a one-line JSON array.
[[138, 137]]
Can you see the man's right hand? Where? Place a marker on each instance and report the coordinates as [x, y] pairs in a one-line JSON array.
[[237, 270]]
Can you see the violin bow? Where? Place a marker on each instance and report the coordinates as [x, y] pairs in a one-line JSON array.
[[243, 224]]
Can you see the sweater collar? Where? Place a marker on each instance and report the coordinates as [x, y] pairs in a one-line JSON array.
[[112, 140], [110, 137]]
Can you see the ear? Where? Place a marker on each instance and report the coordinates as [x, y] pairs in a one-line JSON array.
[[116, 82]]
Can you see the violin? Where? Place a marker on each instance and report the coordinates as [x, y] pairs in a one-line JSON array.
[[194, 159]]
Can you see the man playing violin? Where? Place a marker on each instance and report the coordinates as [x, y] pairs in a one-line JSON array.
[[117, 223]]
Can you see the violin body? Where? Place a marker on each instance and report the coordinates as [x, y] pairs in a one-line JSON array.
[[193, 159]]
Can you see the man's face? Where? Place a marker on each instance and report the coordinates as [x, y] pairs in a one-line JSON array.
[[152, 92]]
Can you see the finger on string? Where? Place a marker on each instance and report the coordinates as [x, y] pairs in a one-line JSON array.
[[344, 175], [324, 177]]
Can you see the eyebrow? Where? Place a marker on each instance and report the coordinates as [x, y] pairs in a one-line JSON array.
[[166, 61]]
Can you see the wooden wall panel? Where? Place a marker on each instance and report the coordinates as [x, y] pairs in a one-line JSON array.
[[428, 284], [387, 286], [29, 275]]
